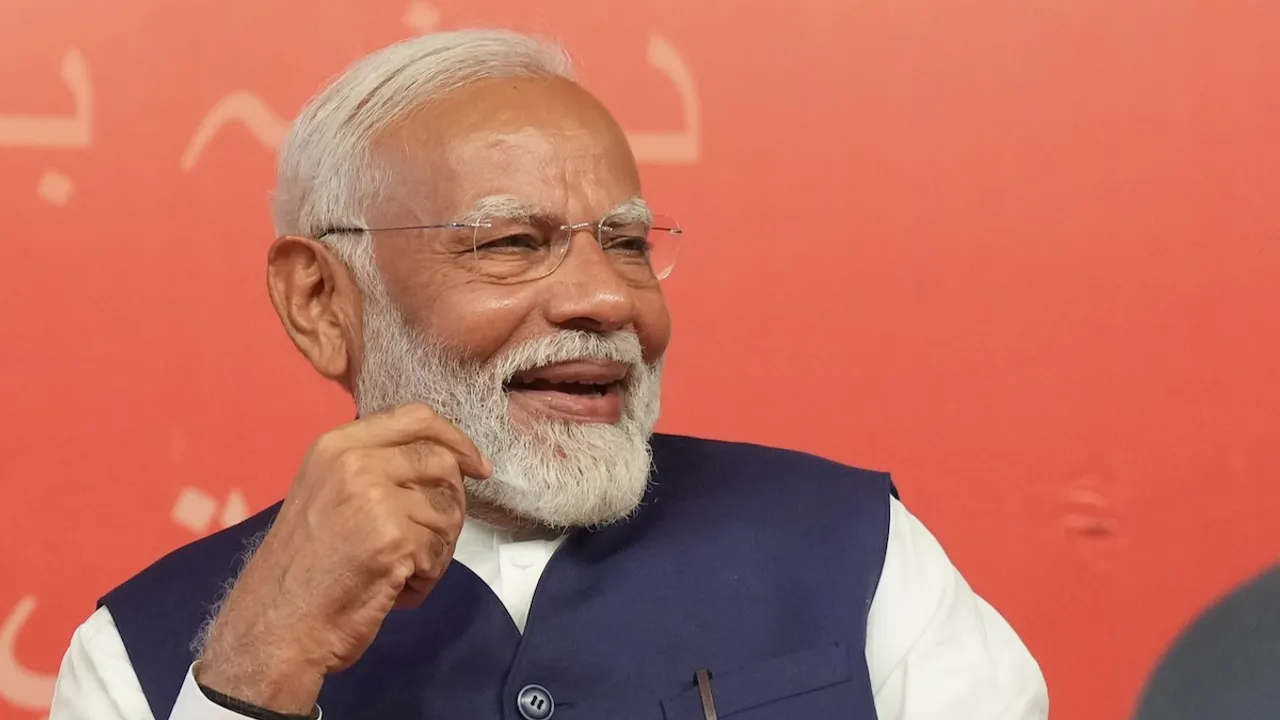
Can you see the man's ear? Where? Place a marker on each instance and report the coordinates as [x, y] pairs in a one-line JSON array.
[[319, 305]]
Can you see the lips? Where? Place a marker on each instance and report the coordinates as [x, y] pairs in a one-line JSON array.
[[586, 391]]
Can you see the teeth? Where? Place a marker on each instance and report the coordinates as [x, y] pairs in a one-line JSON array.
[[588, 383]]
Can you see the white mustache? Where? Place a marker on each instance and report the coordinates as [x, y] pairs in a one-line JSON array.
[[620, 346], [558, 473]]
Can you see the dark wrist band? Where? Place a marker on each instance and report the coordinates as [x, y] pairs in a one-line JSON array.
[[250, 710]]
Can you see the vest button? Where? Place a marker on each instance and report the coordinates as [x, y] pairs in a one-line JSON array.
[[535, 703]]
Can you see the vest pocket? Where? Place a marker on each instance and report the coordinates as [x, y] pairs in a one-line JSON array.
[[780, 678]]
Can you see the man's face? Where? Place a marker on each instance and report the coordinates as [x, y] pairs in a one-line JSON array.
[[555, 378]]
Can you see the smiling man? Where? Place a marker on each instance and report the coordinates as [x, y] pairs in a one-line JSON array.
[[465, 247]]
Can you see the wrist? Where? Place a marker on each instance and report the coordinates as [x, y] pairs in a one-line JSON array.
[[287, 688], [260, 660], [258, 649], [249, 710]]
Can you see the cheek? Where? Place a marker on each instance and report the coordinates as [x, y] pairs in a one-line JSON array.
[[479, 321], [476, 319], [653, 325]]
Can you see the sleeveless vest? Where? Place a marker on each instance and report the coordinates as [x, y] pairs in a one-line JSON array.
[[756, 564]]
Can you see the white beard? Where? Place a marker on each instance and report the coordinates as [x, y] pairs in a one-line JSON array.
[[553, 472]]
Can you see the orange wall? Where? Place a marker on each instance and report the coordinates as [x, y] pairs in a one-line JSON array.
[[1024, 253]]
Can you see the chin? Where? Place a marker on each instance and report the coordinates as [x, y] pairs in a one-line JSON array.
[[562, 474]]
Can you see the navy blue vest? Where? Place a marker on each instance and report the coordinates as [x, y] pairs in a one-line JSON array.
[[754, 563]]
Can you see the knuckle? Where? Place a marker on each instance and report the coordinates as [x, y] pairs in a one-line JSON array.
[[375, 494], [427, 459], [457, 517], [401, 570], [434, 551], [352, 463], [389, 542], [327, 445], [443, 463], [440, 503], [445, 503], [427, 455], [444, 545], [422, 563]]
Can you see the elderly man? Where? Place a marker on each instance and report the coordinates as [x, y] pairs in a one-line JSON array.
[[465, 247]]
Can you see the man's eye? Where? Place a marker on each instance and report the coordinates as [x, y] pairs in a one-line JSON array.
[[630, 244], [509, 243]]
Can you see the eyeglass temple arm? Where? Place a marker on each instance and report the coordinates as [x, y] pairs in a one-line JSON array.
[[442, 226]]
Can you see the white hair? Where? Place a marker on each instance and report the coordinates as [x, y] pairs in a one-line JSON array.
[[557, 473], [325, 177]]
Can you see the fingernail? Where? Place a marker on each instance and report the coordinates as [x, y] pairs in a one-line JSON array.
[[488, 466]]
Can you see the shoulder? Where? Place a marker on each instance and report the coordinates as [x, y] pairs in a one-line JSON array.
[[96, 675], [936, 645]]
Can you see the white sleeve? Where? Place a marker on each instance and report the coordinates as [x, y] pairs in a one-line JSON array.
[[935, 650], [97, 682]]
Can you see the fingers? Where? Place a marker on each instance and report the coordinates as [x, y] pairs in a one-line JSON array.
[[415, 590], [409, 424], [419, 585], [420, 466], [435, 522], [433, 530], [435, 508], [435, 466], [432, 550]]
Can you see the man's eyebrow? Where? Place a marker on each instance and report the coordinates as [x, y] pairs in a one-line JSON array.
[[507, 207], [632, 210], [510, 207]]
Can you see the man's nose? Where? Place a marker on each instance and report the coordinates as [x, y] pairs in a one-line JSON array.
[[587, 292]]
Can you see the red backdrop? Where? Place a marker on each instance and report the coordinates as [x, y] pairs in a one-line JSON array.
[[1021, 253]]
